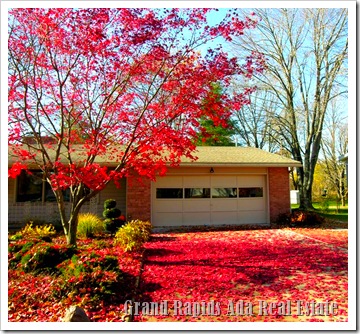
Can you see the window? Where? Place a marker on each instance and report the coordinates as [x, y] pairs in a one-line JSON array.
[[32, 188], [224, 193], [169, 193], [29, 187], [251, 192], [197, 192], [50, 196]]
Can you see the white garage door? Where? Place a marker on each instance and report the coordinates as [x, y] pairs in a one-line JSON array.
[[204, 200]]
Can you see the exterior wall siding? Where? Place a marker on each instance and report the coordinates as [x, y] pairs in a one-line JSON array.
[[134, 198], [21, 212], [279, 191]]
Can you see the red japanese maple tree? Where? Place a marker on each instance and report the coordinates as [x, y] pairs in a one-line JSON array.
[[121, 84]]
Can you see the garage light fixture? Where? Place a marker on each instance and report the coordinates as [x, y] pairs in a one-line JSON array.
[[211, 170]]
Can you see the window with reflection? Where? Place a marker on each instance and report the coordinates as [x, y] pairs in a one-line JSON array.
[[169, 193], [197, 192], [250, 192], [33, 188], [224, 193], [29, 187]]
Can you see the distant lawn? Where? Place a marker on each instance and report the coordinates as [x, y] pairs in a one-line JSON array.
[[330, 212]]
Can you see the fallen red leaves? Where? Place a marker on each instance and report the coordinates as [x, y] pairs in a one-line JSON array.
[[336, 237], [35, 298], [248, 266], [199, 267]]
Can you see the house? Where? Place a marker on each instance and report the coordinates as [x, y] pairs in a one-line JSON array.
[[225, 185]]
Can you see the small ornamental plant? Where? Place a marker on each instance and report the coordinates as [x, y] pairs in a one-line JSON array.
[[89, 225], [43, 232], [113, 218], [133, 235]]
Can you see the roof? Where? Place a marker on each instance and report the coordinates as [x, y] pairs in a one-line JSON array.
[[215, 156], [238, 156]]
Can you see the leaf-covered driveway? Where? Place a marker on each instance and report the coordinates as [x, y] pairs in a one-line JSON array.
[[236, 275]]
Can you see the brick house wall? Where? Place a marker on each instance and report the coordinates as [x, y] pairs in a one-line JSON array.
[[279, 191], [138, 198]]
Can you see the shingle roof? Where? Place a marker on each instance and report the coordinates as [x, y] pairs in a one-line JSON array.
[[234, 156], [216, 156]]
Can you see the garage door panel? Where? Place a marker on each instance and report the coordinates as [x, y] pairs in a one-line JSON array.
[[196, 205], [252, 217], [168, 206], [223, 181], [250, 181], [168, 219], [251, 204], [197, 182], [169, 182], [222, 205], [220, 218], [196, 218]]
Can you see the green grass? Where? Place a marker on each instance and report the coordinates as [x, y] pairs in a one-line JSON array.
[[329, 211]]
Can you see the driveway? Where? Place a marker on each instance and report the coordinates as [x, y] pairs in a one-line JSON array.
[[252, 275]]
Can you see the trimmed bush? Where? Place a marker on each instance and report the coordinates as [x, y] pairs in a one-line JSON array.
[[113, 220], [109, 204], [89, 224], [112, 213], [133, 235], [299, 218]]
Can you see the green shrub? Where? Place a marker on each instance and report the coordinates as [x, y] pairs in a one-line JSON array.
[[113, 220], [132, 235], [89, 224], [109, 204], [112, 213], [44, 257], [95, 275]]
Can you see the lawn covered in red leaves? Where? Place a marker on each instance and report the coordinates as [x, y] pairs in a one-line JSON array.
[[248, 268], [38, 298], [226, 268]]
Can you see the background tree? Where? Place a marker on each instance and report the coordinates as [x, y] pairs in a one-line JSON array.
[[132, 80], [306, 54], [334, 145], [254, 124], [211, 134]]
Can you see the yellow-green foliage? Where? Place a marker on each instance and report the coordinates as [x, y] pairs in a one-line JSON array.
[[132, 235], [31, 231], [89, 224]]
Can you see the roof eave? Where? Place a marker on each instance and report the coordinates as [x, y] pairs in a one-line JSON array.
[[259, 164]]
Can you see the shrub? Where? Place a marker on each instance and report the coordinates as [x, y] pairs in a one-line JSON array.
[[132, 235], [44, 232], [113, 220], [112, 213], [109, 204], [40, 257], [89, 224], [299, 218], [95, 275]]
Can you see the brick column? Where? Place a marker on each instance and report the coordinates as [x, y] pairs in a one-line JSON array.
[[279, 191], [138, 198]]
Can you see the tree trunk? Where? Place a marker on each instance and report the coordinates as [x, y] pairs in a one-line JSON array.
[[305, 187], [71, 236]]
